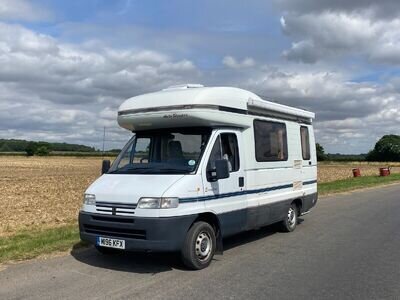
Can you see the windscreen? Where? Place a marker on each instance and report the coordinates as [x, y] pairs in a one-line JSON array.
[[174, 151]]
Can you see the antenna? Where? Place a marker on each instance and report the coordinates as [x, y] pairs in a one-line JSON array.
[[104, 138]]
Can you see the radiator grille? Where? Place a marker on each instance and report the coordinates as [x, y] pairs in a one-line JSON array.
[[115, 209]]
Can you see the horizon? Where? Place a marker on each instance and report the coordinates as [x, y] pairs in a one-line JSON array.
[[68, 65], [108, 149]]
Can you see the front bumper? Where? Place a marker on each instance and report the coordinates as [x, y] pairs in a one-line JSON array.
[[139, 233]]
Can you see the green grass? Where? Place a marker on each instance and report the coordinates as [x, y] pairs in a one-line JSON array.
[[345, 185], [29, 244]]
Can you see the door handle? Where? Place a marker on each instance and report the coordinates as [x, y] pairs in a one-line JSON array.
[[241, 181]]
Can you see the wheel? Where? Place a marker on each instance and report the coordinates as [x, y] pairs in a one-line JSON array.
[[199, 246], [106, 251], [290, 222]]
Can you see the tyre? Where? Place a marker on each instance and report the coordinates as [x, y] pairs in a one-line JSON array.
[[290, 221], [106, 251], [199, 246]]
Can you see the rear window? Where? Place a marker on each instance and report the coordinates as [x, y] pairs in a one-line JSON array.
[[270, 141], [305, 142]]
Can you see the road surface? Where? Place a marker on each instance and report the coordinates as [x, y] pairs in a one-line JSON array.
[[347, 248]]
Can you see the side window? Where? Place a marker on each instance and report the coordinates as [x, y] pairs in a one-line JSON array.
[[230, 150], [305, 142], [225, 147], [270, 141], [216, 154]]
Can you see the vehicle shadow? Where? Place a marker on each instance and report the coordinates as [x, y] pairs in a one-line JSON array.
[[153, 263], [252, 235], [136, 262]]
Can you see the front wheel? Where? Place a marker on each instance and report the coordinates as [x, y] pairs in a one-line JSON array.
[[199, 247], [290, 222]]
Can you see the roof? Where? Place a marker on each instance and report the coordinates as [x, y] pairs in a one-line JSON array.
[[194, 94]]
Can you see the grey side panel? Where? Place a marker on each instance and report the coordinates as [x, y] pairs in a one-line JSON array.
[[255, 217], [308, 202], [233, 222]]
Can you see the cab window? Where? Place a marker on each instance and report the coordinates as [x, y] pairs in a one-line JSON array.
[[225, 147]]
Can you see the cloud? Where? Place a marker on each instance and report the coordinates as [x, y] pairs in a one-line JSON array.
[[58, 91], [383, 9], [22, 10], [329, 32], [350, 116], [69, 92], [231, 62]]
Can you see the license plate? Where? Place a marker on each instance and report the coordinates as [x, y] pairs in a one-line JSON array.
[[110, 243]]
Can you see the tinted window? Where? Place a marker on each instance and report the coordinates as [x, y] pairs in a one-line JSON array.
[[270, 141], [305, 142]]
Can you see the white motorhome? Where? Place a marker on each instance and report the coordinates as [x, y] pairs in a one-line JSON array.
[[203, 163]]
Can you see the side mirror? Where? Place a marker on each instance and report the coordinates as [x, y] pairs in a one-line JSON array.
[[105, 166], [221, 169]]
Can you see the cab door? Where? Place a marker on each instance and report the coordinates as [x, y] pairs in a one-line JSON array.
[[226, 197]]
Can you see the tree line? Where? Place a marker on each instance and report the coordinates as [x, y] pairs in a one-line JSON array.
[[40, 148], [386, 149]]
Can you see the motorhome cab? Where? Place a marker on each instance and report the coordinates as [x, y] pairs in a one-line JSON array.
[[203, 163]]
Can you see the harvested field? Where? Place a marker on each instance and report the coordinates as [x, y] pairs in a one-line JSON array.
[[47, 191], [43, 192], [331, 171]]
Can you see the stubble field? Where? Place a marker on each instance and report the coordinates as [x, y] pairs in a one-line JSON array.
[[45, 192]]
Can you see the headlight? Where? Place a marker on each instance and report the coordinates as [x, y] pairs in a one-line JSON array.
[[169, 202], [89, 199], [150, 202]]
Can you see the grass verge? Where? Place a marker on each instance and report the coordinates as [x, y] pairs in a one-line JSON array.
[[345, 185], [29, 244]]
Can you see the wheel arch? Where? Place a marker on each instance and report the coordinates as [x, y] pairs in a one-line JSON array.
[[212, 219], [299, 204]]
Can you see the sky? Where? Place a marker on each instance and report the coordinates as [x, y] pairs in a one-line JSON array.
[[66, 66]]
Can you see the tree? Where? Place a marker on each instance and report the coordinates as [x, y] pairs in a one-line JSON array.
[[30, 149], [42, 151], [320, 152], [386, 149]]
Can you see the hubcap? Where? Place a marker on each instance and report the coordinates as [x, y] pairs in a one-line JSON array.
[[291, 217], [203, 245]]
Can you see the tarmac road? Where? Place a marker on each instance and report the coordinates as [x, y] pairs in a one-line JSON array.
[[347, 248]]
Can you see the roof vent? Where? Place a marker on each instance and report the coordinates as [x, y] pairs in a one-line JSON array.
[[183, 86]]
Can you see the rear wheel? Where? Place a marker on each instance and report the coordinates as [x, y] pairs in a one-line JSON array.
[[199, 247], [290, 222]]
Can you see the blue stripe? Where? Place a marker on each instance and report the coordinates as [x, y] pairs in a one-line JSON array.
[[232, 194], [309, 182], [240, 193]]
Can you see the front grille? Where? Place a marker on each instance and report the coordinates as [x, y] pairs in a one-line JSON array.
[[116, 209], [115, 232]]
